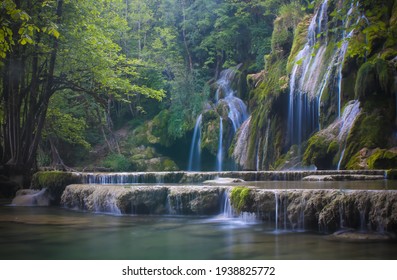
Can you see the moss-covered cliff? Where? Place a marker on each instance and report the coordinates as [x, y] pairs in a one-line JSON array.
[[328, 90]]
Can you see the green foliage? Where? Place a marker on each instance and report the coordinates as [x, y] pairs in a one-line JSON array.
[[65, 127], [20, 26], [117, 162], [377, 27], [283, 34], [187, 101], [240, 198]]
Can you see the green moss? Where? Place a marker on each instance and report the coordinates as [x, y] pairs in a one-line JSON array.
[[55, 182], [371, 130], [169, 165], [320, 151], [210, 132], [382, 159], [240, 198], [333, 147], [300, 38], [284, 25], [354, 162], [374, 79]]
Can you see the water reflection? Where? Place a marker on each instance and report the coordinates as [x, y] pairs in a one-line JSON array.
[[52, 233]]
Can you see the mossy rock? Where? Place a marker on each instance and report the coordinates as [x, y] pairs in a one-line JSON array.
[[55, 182], [320, 152], [371, 130], [153, 132], [374, 79], [382, 159], [356, 162], [300, 38], [210, 132], [374, 159], [154, 164], [241, 199]]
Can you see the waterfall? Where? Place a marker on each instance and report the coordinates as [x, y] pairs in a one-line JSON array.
[[237, 114], [276, 212], [303, 116], [237, 109], [227, 209], [195, 150], [219, 155], [265, 147], [347, 120], [240, 153], [313, 73], [342, 54]]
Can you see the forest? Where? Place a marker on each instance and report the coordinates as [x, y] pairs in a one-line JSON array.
[[120, 85]]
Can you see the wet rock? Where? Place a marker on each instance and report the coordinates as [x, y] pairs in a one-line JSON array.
[[352, 235], [224, 181], [319, 178], [194, 200], [116, 199], [28, 197]]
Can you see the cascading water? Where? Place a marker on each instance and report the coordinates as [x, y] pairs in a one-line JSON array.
[[237, 109], [260, 161], [347, 120], [309, 79], [240, 153], [342, 52], [303, 116], [219, 155], [237, 114], [195, 150]]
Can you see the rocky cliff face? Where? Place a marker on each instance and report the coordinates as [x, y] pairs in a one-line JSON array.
[[328, 91]]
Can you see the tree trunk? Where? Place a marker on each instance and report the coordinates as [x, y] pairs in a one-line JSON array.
[[25, 99]]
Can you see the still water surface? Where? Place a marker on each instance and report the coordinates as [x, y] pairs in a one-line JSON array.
[[54, 233]]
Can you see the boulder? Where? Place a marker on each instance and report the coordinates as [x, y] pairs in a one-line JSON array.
[[28, 197]]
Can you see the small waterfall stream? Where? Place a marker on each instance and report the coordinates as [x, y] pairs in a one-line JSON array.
[[219, 155], [195, 149], [347, 120], [237, 114], [312, 74], [303, 116], [286, 209]]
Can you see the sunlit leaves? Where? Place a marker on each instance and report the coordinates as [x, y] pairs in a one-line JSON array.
[[18, 26], [66, 127]]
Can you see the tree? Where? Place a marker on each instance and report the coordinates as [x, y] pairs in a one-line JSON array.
[[59, 46], [27, 77]]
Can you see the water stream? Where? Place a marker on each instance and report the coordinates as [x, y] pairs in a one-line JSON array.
[[219, 155], [195, 149], [237, 114]]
